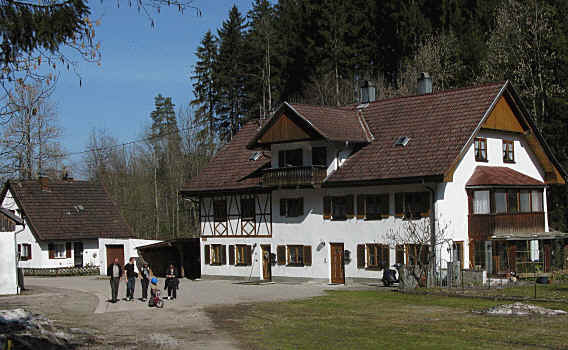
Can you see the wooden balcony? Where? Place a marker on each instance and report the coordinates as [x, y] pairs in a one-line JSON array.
[[294, 176], [486, 225]]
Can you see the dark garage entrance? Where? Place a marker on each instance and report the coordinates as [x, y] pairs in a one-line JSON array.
[[183, 253]]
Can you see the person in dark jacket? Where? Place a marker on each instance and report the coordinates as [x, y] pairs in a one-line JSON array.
[[114, 271], [131, 274], [145, 274], [172, 282]]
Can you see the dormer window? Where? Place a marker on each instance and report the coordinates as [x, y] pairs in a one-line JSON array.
[[319, 156], [508, 151], [290, 158], [480, 147]]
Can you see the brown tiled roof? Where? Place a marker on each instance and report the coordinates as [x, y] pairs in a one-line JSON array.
[[496, 175], [231, 165], [438, 126], [68, 210], [334, 124]]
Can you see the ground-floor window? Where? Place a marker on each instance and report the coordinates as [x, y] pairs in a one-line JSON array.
[[294, 255], [25, 251], [59, 250], [218, 254], [417, 254], [378, 256], [479, 254], [243, 254]]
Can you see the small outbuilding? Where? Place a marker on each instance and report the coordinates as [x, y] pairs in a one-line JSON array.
[[10, 225], [182, 252]]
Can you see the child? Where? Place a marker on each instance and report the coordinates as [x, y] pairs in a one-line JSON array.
[[154, 291]]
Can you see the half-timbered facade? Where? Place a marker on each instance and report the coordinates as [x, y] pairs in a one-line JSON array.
[[319, 192]]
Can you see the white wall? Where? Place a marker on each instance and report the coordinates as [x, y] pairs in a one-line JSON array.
[[8, 269], [311, 229], [452, 206], [129, 244]]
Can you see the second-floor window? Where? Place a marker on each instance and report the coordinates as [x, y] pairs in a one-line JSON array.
[[319, 156], [220, 210], [480, 147], [508, 151], [508, 201], [289, 158], [291, 207], [412, 205], [338, 207], [247, 209], [373, 207]]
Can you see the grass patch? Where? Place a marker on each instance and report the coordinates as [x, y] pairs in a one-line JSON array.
[[556, 292], [372, 320]]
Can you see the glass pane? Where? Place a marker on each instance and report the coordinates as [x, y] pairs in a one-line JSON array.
[[537, 201], [525, 201], [319, 156], [481, 202], [500, 201], [513, 203]]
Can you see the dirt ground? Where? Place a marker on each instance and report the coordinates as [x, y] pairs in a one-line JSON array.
[[79, 306]]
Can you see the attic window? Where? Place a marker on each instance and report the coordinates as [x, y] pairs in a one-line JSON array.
[[402, 141], [255, 156]]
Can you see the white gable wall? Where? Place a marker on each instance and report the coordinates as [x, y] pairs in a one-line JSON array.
[[453, 208]]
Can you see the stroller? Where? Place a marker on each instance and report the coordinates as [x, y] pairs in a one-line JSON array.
[[155, 299]]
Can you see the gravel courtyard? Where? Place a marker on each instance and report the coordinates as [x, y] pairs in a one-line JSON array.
[[80, 304]]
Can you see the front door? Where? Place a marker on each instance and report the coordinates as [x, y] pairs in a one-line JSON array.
[[78, 253], [266, 266], [337, 269], [115, 251]]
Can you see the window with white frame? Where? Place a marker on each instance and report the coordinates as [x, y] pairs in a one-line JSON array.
[[59, 250]]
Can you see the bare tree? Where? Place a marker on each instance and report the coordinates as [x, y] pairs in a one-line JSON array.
[[522, 50], [420, 241], [30, 142]]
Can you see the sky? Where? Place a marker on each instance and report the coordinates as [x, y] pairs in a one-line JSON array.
[[138, 62]]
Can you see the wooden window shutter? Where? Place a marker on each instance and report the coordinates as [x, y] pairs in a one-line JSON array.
[[349, 212], [361, 256], [51, 250], [281, 254], [282, 207], [308, 255], [68, 250], [223, 254], [206, 254], [360, 206], [327, 207], [231, 255], [249, 255]]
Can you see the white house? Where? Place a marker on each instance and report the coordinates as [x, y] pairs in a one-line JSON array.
[[10, 225], [320, 192], [68, 223]]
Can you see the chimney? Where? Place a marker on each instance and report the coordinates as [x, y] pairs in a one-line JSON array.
[[43, 181], [367, 91], [424, 84]]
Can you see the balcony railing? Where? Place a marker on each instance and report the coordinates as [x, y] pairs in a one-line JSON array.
[[294, 176], [486, 225]]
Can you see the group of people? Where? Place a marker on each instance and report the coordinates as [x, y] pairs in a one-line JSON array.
[[130, 273]]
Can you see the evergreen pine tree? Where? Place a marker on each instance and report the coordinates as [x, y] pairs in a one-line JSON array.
[[231, 75], [205, 91]]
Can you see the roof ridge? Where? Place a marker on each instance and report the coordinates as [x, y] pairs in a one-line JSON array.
[[437, 93]]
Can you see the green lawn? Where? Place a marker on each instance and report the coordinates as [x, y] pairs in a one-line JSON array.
[[387, 320], [556, 292]]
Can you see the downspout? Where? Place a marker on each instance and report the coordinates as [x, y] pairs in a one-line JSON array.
[[432, 230]]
